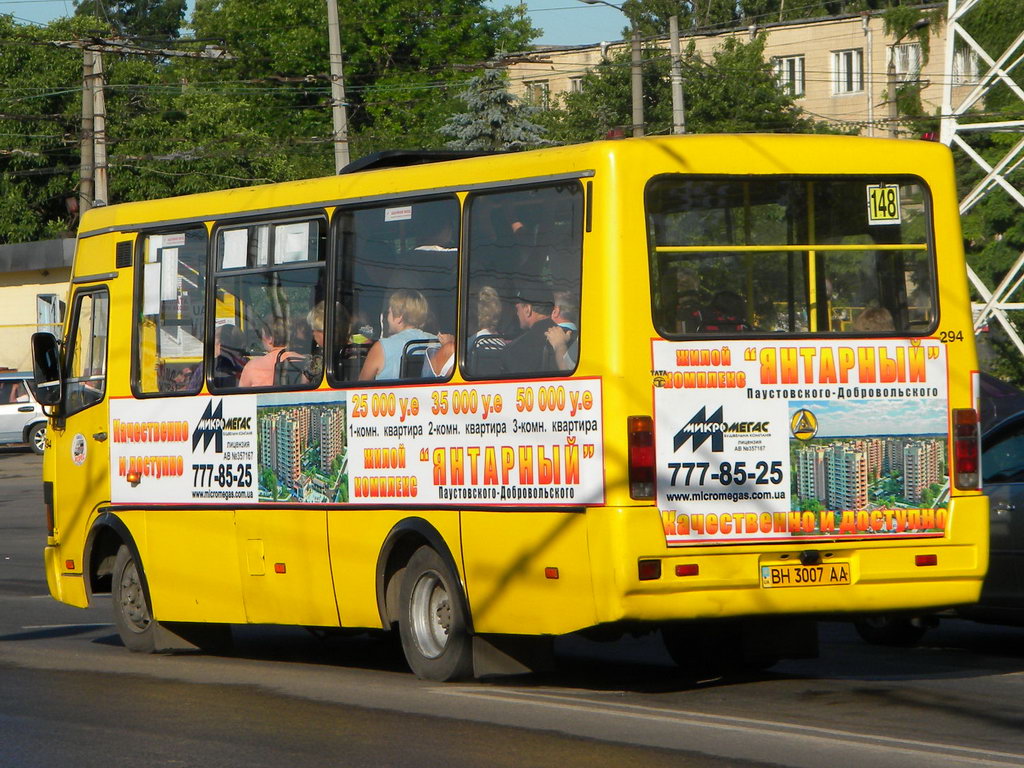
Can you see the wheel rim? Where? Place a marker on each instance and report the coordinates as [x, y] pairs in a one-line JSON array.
[[39, 439], [133, 601], [431, 611]]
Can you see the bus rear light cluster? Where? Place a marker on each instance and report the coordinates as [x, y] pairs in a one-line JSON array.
[[649, 570], [641, 456], [966, 449]]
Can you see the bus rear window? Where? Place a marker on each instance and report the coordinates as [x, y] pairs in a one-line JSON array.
[[818, 255]]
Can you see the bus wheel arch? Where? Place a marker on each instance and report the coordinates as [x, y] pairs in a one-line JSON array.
[[106, 536], [401, 543], [419, 589]]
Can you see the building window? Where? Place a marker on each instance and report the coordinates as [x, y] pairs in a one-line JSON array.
[[906, 61], [965, 67], [848, 71], [575, 84], [537, 92], [789, 71]]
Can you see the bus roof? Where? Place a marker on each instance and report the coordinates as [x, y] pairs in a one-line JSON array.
[[772, 154]]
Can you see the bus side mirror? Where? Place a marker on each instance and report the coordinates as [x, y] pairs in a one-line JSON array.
[[47, 383]]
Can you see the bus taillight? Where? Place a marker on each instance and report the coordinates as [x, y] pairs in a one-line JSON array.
[[966, 448], [641, 456]]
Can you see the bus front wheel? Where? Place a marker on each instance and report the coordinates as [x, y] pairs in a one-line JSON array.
[[432, 623], [132, 615]]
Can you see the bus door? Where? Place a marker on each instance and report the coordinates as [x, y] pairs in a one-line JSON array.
[[80, 439]]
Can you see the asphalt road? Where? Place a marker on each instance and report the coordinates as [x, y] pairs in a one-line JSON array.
[[70, 694]]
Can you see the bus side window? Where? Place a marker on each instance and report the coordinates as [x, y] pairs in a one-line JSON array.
[[525, 251], [407, 248], [87, 354], [171, 310], [269, 288]]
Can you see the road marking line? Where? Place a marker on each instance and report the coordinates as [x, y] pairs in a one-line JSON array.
[[733, 723], [66, 626]]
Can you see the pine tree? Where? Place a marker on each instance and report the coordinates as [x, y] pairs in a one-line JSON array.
[[494, 119]]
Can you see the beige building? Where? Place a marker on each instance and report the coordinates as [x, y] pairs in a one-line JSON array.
[[33, 290], [837, 68]]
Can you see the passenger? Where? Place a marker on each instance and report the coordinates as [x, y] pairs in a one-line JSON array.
[[228, 360], [873, 319], [488, 314], [530, 352], [563, 336], [315, 319], [690, 297], [407, 311], [726, 312], [259, 372]]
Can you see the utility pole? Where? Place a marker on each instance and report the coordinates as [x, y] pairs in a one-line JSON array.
[[85, 185], [678, 105], [636, 70], [338, 112], [637, 82], [92, 187], [99, 132]]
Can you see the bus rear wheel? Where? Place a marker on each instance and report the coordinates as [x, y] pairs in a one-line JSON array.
[[132, 616], [432, 623], [891, 629]]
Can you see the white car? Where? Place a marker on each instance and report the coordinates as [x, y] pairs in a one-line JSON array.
[[21, 418]]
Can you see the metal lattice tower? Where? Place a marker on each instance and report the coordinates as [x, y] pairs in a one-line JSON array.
[[956, 125]]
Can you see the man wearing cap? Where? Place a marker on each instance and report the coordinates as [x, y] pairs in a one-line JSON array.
[[530, 352]]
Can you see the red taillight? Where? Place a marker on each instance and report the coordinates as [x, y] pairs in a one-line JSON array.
[[966, 449], [688, 569], [649, 570], [641, 456], [923, 560]]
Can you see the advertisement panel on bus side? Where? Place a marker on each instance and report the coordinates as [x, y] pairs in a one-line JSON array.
[[523, 443]]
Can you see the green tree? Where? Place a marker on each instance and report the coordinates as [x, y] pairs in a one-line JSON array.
[[494, 119], [40, 115], [390, 47], [158, 19], [735, 91]]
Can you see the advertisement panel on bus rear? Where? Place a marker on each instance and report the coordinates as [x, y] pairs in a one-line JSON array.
[[765, 441]]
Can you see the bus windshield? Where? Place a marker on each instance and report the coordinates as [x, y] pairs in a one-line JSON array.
[[790, 255]]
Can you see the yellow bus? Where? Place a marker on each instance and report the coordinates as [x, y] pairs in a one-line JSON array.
[[716, 386]]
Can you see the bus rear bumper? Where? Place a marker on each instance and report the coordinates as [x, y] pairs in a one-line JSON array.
[[704, 585], [64, 587]]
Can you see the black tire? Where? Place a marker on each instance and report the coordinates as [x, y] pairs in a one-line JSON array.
[[132, 615], [432, 620], [36, 438], [700, 651], [891, 630], [704, 650]]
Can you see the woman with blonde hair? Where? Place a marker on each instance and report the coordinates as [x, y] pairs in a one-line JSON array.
[[407, 311]]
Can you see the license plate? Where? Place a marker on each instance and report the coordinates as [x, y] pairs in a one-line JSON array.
[[796, 575]]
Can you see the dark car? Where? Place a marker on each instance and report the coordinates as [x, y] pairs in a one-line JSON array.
[[21, 418], [1002, 468]]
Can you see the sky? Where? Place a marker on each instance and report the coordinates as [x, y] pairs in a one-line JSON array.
[[565, 22], [877, 418]]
